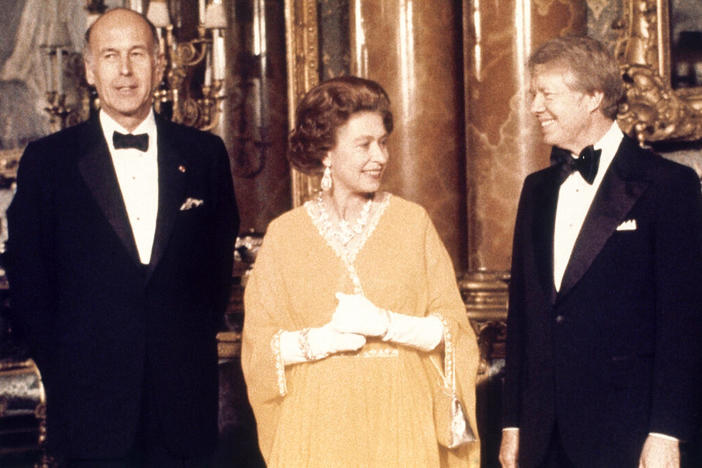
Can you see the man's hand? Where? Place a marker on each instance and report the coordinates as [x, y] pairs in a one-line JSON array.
[[659, 452], [509, 448]]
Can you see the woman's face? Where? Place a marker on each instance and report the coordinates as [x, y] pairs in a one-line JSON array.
[[360, 155]]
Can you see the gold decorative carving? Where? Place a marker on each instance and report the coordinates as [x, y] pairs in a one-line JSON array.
[[228, 344], [597, 6], [21, 387], [203, 112], [652, 110], [485, 294], [302, 42]]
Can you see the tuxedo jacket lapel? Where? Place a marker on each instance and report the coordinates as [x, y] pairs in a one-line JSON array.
[[172, 174], [621, 186], [99, 175]]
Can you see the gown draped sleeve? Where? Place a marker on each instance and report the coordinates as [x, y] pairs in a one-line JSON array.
[[260, 351], [445, 302]]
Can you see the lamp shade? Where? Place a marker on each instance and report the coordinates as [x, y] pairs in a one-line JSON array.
[[158, 13], [136, 5], [58, 36], [216, 15]]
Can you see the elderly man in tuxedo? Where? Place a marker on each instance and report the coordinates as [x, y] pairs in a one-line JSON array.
[[604, 325], [119, 259]]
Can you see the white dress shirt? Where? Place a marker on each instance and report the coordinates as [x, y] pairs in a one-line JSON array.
[[137, 174], [574, 199]]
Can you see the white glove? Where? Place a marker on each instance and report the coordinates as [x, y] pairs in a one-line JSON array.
[[316, 343], [356, 314], [424, 333]]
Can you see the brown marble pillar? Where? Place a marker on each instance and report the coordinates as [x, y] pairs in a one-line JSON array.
[[503, 143], [414, 50], [502, 139], [254, 122]]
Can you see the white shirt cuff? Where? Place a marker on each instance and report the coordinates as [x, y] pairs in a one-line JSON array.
[[663, 436]]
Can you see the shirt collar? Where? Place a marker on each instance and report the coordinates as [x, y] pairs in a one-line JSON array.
[[610, 140], [609, 144], [110, 125]]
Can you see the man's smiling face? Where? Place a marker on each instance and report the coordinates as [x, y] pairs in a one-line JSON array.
[[563, 113]]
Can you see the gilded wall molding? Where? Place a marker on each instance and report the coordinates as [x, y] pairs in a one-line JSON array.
[[652, 110], [302, 41], [485, 294]]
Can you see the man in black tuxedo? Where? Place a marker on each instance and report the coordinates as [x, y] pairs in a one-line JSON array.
[[604, 325], [119, 259]]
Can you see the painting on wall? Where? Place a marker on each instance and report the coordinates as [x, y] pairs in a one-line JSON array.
[[686, 43]]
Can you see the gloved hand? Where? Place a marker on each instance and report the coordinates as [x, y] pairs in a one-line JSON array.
[[313, 344], [356, 314], [424, 333]]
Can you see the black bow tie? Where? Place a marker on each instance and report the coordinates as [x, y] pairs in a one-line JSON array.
[[121, 141], [586, 163]]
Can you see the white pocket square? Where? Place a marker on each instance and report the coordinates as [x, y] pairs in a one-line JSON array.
[[191, 203], [628, 225]]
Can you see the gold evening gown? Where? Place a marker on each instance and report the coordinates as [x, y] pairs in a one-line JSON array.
[[373, 407]]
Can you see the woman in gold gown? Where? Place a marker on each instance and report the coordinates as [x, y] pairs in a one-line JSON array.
[[352, 307]]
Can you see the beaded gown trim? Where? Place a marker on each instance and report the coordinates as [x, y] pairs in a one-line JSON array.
[[279, 363], [347, 251]]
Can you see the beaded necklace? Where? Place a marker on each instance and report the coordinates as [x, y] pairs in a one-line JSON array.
[[343, 231]]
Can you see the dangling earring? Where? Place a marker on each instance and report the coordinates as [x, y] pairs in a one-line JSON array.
[[326, 184]]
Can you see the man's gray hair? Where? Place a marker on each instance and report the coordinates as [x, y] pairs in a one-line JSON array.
[[592, 66]]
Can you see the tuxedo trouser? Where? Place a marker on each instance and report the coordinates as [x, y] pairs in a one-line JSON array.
[[556, 456], [148, 451]]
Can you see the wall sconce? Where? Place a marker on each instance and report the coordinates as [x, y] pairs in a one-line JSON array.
[[56, 52], [65, 77], [174, 97]]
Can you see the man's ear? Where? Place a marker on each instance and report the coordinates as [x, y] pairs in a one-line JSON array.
[[89, 75], [595, 100], [327, 160]]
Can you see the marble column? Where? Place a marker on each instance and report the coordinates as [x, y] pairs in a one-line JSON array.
[[414, 50], [502, 139], [503, 142], [254, 122]]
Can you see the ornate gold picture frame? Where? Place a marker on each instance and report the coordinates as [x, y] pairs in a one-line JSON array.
[[652, 110], [302, 43]]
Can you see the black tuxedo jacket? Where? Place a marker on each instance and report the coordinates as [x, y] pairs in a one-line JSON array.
[[616, 353], [101, 325]]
